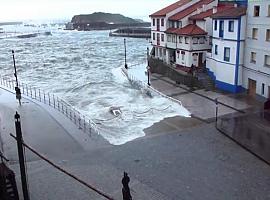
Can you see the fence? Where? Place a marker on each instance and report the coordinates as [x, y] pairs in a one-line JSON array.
[[141, 85], [158, 66], [80, 120]]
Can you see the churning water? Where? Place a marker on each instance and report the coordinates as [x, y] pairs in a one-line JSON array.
[[83, 68]]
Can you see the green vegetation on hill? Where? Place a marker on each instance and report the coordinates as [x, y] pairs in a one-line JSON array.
[[102, 17]]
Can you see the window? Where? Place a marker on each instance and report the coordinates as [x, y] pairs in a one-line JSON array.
[[195, 40], [162, 22], [180, 39], [216, 49], [268, 10], [174, 39], [253, 57], [154, 36], [183, 55], [263, 85], [215, 26], [186, 40], [231, 26], [227, 54], [267, 60], [256, 11], [169, 38], [267, 35], [255, 33], [154, 22], [162, 37], [201, 40]]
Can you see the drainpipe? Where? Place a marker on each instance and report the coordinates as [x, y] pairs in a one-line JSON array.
[[237, 53]]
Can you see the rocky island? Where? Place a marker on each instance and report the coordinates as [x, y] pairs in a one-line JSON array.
[[103, 21]]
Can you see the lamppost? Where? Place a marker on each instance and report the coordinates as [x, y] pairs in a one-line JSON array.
[[148, 68], [17, 89], [125, 54]]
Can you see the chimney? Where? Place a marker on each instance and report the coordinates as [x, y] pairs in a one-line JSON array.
[[214, 9]]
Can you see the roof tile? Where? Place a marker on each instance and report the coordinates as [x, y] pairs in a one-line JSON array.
[[191, 29]]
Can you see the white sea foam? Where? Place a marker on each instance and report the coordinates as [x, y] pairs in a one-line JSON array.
[[84, 69]]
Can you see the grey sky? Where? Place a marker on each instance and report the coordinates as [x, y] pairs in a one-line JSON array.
[[53, 9]]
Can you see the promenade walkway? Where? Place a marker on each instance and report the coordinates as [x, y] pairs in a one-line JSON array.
[[180, 158], [201, 103]]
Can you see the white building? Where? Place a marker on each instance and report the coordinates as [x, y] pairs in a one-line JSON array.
[[226, 61], [173, 37], [256, 70]]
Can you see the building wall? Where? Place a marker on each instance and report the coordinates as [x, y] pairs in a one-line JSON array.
[[257, 71]]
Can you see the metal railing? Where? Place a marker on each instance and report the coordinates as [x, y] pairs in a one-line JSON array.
[[81, 121], [142, 85]]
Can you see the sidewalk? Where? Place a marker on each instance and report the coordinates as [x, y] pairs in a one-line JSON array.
[[201, 103]]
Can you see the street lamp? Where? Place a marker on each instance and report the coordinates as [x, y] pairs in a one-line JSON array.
[[125, 54], [17, 89], [148, 68]]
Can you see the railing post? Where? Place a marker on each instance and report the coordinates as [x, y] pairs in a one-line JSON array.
[[53, 101], [75, 118], [35, 93], [44, 96], [49, 99], [26, 90], [90, 128], [58, 106], [84, 123], [31, 91], [39, 95]]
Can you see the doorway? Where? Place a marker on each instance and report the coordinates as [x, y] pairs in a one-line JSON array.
[[200, 62], [252, 84]]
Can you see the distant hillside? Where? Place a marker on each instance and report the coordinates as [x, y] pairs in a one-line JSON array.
[[103, 17]]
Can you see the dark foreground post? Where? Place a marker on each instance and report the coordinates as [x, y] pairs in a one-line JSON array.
[[21, 156], [125, 189], [125, 54]]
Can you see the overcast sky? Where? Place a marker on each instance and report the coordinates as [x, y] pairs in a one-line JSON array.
[[11, 10]]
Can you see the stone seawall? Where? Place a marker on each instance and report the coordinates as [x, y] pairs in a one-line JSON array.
[[180, 77]]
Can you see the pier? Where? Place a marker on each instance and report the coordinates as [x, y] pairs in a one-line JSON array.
[[6, 35]]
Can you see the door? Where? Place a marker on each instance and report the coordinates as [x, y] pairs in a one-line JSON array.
[[200, 62], [251, 87], [158, 24], [158, 39], [268, 92], [221, 29]]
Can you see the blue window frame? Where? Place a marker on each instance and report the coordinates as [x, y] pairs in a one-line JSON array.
[[227, 54], [216, 49], [215, 25], [231, 26]]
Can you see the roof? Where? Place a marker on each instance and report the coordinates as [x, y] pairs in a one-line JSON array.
[[189, 10], [202, 15], [230, 13], [191, 29], [210, 12], [170, 8]]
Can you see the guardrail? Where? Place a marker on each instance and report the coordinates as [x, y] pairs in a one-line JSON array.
[[140, 84], [81, 121]]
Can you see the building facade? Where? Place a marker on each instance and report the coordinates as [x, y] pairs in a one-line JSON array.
[[256, 71], [179, 39], [230, 38], [225, 62]]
